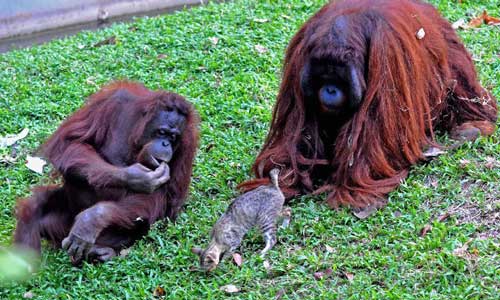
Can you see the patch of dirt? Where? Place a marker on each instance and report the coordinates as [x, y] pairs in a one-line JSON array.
[[484, 215], [491, 234]]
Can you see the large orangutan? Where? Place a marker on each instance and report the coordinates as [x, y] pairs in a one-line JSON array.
[[366, 86], [125, 159]]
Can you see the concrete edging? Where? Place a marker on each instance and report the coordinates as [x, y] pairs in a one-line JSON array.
[[100, 11]]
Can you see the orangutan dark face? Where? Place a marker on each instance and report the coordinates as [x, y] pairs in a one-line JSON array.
[[330, 76], [336, 86], [162, 136]]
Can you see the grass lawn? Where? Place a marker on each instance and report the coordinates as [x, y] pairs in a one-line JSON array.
[[233, 83]]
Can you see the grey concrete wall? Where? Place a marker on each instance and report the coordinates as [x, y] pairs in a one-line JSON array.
[[25, 17], [14, 8]]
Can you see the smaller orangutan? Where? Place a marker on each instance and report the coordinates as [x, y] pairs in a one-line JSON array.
[[125, 160]]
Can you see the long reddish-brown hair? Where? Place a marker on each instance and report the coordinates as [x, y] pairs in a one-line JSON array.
[[413, 87], [102, 116], [90, 151]]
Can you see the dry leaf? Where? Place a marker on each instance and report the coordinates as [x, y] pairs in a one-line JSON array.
[[6, 159], [261, 49], [363, 213], [427, 228], [491, 163], [459, 24], [321, 274], [261, 20], [238, 260], [464, 162], [476, 59], [124, 252], [266, 265], [159, 292], [11, 139], [420, 34], [35, 164], [214, 40], [432, 181], [286, 17], [349, 276], [444, 216], [318, 275], [109, 41], [230, 289], [462, 251], [484, 18], [433, 152], [91, 81], [161, 56], [28, 295], [476, 22], [279, 294], [489, 20], [329, 249]]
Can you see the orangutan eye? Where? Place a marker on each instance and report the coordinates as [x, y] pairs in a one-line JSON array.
[[163, 132]]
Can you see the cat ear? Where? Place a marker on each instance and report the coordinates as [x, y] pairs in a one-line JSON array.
[[197, 250]]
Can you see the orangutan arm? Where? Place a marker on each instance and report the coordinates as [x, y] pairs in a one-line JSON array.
[[91, 222], [83, 162]]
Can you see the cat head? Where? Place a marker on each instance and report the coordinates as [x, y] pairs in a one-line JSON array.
[[209, 258]]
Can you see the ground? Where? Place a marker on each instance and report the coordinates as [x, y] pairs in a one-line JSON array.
[[438, 238]]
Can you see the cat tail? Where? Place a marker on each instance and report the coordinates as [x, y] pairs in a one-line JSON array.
[[273, 174]]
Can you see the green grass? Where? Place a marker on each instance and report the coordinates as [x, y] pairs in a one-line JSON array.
[[234, 88]]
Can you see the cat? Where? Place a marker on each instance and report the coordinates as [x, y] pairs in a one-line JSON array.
[[260, 207]]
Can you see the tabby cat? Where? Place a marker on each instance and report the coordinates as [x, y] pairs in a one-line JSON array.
[[260, 207]]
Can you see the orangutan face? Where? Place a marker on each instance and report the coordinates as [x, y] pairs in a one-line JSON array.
[[332, 77]]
